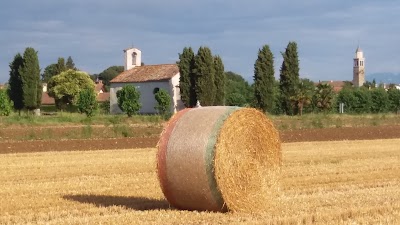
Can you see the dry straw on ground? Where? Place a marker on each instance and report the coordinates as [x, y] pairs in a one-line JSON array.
[[218, 159]]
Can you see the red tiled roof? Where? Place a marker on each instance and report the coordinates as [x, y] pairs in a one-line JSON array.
[[337, 85], [102, 97], [147, 73], [99, 86], [47, 100]]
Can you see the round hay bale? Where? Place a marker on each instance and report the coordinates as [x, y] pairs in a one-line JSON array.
[[219, 158]]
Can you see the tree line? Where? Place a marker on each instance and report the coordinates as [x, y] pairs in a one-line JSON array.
[[203, 79], [66, 84]]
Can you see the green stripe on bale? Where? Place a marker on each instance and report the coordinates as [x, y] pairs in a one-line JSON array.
[[209, 159]]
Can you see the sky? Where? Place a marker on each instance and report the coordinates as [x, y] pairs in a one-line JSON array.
[[95, 32]]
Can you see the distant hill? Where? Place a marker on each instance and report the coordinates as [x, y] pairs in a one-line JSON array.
[[386, 78]]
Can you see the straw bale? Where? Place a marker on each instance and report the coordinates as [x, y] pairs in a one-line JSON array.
[[247, 161], [218, 159]]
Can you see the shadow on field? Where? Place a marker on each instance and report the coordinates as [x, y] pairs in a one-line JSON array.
[[136, 203]]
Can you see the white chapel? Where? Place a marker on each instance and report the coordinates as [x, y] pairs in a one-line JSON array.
[[148, 79]]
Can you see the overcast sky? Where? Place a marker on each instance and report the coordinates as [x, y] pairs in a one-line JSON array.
[[94, 32]]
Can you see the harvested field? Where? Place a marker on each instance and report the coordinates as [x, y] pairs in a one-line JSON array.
[[338, 182], [12, 141]]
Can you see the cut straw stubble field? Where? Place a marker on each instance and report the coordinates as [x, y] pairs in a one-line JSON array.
[[323, 182]]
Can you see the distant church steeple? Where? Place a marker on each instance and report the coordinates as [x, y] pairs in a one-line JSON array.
[[358, 68]]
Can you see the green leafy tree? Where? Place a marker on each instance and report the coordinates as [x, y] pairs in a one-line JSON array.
[[15, 91], [347, 85], [50, 71], [87, 102], [379, 100], [105, 107], [205, 76], [6, 104], [346, 96], [128, 100], [163, 102], [65, 87], [70, 65], [289, 77], [187, 81], [394, 99], [220, 80], [60, 66], [238, 92], [110, 73], [363, 101], [303, 95], [31, 84], [264, 80], [323, 98]]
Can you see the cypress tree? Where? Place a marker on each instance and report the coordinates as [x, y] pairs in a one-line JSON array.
[[15, 83], [70, 65], [60, 66], [187, 78], [219, 81], [205, 76], [31, 85], [264, 80], [289, 77]]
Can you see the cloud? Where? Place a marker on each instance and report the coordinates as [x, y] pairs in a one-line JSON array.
[[95, 32]]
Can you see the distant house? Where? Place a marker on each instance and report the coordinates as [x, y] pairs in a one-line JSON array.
[[148, 79], [102, 94], [46, 99]]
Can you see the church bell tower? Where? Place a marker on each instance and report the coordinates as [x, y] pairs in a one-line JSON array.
[[358, 68]]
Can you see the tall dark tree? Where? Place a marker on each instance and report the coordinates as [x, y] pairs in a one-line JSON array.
[[187, 79], [50, 71], [70, 65], [264, 80], [60, 66], [31, 84], [205, 76], [219, 80], [289, 77], [15, 83]]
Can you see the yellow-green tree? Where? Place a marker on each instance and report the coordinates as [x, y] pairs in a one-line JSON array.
[[65, 87]]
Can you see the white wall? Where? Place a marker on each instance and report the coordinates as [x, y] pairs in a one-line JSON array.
[[129, 61], [176, 95], [146, 95]]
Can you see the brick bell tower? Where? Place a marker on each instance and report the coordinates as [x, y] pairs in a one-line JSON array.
[[359, 68]]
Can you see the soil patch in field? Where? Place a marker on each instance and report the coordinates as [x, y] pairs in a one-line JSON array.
[[13, 145]]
